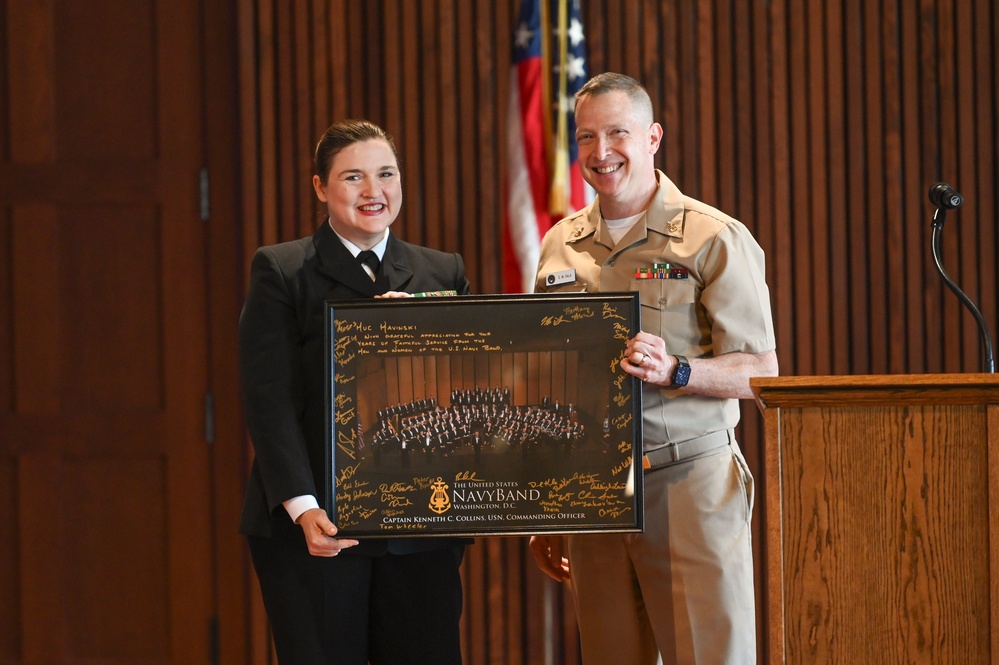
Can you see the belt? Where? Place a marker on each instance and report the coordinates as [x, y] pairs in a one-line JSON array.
[[684, 451]]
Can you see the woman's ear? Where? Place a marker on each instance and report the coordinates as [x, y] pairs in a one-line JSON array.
[[320, 188]]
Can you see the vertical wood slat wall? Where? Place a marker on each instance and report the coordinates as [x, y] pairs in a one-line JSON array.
[[821, 125]]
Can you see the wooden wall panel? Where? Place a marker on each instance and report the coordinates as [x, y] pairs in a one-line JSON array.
[[10, 574], [103, 340], [819, 125]]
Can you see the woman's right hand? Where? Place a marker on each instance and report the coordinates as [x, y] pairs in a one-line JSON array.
[[320, 532]]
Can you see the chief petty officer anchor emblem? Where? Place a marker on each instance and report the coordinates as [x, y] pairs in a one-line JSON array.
[[439, 501]]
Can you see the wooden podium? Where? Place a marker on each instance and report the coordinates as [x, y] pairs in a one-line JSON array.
[[881, 519]]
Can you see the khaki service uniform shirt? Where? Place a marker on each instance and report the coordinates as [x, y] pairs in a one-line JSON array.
[[722, 307]]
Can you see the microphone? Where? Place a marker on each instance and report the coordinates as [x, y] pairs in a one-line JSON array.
[[944, 197]]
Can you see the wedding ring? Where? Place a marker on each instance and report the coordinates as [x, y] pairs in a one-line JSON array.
[[642, 361]]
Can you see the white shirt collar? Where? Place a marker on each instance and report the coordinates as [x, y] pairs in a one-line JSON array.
[[378, 249]]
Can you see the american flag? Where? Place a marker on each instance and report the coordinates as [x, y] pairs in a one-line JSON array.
[[543, 179]]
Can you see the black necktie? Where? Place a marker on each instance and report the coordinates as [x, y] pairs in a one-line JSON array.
[[370, 259]]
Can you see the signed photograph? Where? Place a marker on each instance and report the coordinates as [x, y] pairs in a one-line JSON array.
[[483, 415]]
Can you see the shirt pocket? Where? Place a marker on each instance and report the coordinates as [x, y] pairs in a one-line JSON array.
[[669, 310]]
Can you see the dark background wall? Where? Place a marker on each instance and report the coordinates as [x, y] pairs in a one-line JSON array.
[[821, 125]]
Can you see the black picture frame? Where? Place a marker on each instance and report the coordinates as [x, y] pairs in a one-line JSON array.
[[483, 415]]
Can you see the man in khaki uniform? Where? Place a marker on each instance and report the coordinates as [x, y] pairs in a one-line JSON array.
[[681, 591]]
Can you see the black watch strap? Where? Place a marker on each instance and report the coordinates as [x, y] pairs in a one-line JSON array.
[[681, 373]]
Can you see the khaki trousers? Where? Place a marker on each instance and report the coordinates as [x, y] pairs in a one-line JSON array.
[[683, 590]]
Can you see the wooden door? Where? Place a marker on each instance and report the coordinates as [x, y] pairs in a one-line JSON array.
[[105, 501]]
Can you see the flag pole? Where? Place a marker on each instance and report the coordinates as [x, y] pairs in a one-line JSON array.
[[546, 77], [558, 198]]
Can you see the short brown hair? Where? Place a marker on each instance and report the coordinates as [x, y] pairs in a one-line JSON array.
[[608, 82], [342, 134]]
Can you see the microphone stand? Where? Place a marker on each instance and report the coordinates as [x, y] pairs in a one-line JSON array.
[[938, 222]]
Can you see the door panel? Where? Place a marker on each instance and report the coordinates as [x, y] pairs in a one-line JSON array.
[[105, 497]]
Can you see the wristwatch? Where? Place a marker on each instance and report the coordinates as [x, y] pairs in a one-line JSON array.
[[681, 373]]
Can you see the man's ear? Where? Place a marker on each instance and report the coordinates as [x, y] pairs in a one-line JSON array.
[[655, 137]]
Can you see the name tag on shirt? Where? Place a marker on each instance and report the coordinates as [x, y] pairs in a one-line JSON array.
[[561, 277]]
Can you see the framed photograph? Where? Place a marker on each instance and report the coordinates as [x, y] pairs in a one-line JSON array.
[[483, 415]]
